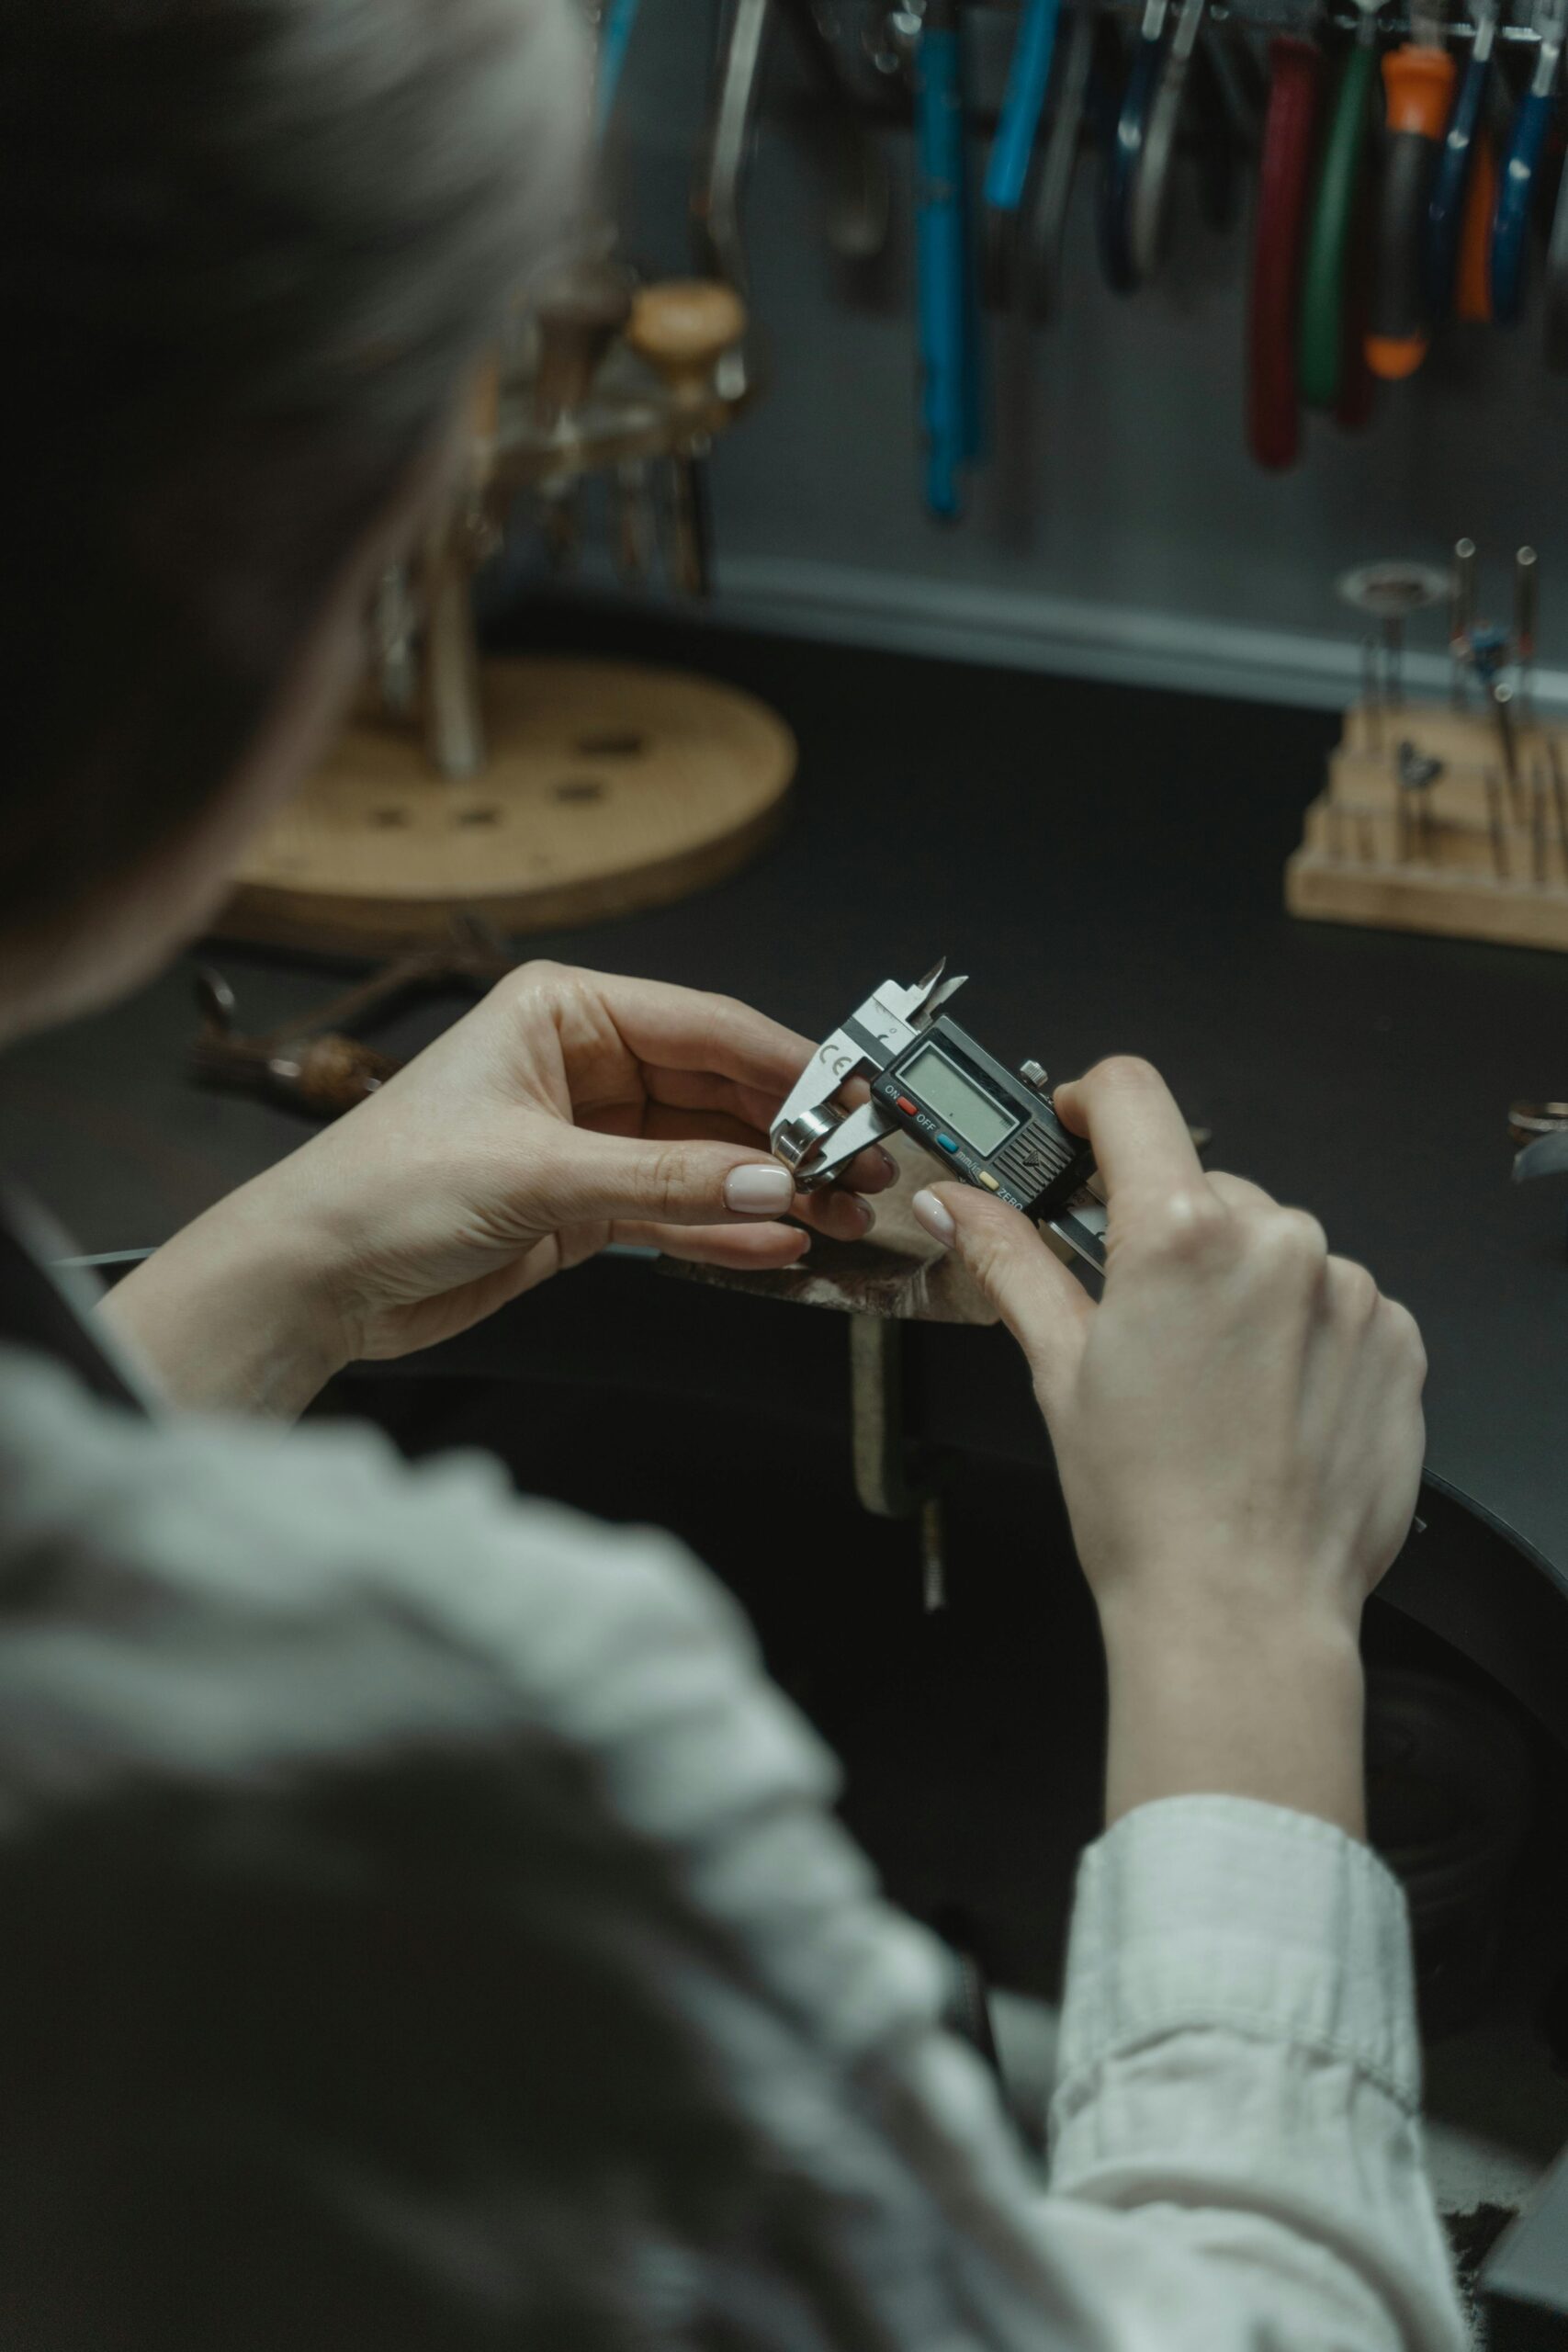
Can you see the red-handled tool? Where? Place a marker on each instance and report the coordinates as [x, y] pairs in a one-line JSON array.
[[1284, 190]]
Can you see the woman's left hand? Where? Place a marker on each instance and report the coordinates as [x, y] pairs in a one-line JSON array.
[[567, 1111]]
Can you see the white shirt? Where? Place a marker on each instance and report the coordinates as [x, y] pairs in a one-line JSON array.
[[1236, 2159]]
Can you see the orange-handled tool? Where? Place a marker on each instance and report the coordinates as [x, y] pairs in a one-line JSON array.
[[1418, 83]]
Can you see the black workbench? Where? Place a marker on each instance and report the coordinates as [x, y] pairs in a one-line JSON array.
[[1107, 865]]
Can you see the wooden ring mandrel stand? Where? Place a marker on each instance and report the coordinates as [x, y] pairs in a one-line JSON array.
[[538, 794]]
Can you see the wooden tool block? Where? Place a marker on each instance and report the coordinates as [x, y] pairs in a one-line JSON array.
[[607, 788], [1464, 855]]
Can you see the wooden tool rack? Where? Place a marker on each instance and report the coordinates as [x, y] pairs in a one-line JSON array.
[[1469, 853]]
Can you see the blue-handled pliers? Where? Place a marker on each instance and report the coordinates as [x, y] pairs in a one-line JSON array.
[[1521, 167], [1018, 127], [1451, 181]]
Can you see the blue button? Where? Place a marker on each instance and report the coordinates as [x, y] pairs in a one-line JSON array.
[[947, 1143]]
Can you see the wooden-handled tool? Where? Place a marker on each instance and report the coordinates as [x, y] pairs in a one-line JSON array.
[[682, 329]]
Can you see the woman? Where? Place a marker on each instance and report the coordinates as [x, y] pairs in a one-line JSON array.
[[421, 1923]]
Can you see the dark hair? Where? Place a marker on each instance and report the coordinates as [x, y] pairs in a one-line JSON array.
[[338, 2009], [246, 251]]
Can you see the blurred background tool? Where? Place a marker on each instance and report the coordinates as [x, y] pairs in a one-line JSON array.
[[1465, 153], [948, 306], [859, 195], [1012, 148], [1327, 284], [1518, 180], [615, 20], [1064, 145], [1418, 83], [1554, 327], [1124, 154], [718, 250], [1388, 593], [1284, 186], [1457, 820], [1148, 204], [317, 1062]]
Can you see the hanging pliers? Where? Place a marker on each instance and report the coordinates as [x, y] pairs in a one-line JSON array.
[[1284, 188], [1125, 153], [1521, 167], [1326, 273], [1451, 180], [1419, 80], [1150, 195], [1018, 129]]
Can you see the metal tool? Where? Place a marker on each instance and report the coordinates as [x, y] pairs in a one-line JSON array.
[[393, 634], [1124, 155], [894, 1478], [1418, 771], [1489, 652], [1388, 593], [1018, 127], [634, 523], [1495, 823], [1418, 83], [860, 201], [718, 248], [685, 332], [1149, 205], [1064, 141], [1461, 617], [311, 1062], [1284, 184], [930, 1079], [1521, 166], [1457, 160], [1527, 583], [1326, 278]]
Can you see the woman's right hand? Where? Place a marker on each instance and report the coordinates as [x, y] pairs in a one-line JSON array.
[[1239, 1432]]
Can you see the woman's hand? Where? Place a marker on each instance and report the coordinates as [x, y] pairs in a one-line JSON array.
[[567, 1111], [1238, 1431]]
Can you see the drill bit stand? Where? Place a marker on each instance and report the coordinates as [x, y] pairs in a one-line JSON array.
[[1441, 818], [536, 794]]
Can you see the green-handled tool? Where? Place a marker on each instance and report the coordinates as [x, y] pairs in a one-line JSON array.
[[1325, 274]]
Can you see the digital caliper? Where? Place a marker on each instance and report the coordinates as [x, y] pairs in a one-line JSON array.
[[986, 1126]]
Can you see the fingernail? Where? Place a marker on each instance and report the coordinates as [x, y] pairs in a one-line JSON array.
[[758, 1191], [868, 1215], [936, 1218], [889, 1164]]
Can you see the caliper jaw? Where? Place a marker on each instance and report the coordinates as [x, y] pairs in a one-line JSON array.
[[812, 1134]]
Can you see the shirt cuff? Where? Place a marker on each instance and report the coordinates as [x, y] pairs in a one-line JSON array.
[[1213, 1911]]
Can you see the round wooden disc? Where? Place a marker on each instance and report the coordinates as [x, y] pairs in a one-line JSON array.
[[607, 788]]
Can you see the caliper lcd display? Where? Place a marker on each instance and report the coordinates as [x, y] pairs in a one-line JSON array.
[[975, 1116]]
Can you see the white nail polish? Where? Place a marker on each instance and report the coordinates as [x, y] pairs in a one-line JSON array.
[[936, 1218], [758, 1191]]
